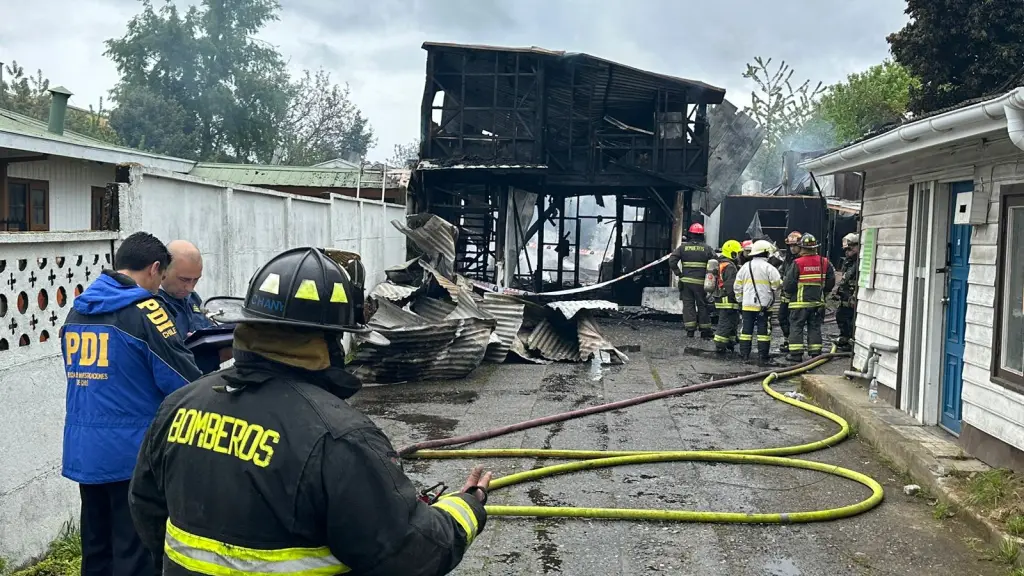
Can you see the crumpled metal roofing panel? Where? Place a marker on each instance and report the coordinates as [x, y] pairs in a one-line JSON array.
[[433, 237], [393, 292], [508, 312]]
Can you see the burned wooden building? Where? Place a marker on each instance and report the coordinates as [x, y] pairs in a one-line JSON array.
[[510, 134]]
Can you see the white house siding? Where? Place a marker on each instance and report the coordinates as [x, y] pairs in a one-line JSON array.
[[986, 406], [878, 309], [70, 183]]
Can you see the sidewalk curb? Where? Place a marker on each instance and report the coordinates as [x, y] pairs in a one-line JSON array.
[[879, 425]]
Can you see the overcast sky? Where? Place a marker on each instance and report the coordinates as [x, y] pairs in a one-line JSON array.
[[375, 45]]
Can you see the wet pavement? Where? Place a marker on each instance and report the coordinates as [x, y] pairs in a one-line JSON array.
[[901, 536]]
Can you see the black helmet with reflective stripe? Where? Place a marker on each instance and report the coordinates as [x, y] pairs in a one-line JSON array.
[[301, 288]]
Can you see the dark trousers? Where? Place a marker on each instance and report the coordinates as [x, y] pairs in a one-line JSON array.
[[784, 319], [110, 545], [761, 320], [845, 318], [805, 321], [695, 307], [728, 321]]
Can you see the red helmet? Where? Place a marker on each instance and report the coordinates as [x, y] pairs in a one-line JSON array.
[[747, 244], [696, 228]]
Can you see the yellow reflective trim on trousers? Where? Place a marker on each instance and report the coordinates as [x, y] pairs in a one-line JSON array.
[[799, 305], [761, 338], [462, 513], [213, 558], [751, 308], [762, 282]]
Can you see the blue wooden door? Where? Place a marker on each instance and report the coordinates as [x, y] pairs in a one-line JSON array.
[[956, 313]]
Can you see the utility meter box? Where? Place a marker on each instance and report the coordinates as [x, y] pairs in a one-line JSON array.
[[962, 208]]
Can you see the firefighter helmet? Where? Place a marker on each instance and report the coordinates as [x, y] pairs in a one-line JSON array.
[[793, 238], [808, 241], [746, 245], [697, 228], [851, 239], [731, 248], [761, 247], [301, 288]]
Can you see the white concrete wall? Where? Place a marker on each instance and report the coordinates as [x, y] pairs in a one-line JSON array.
[[986, 405], [238, 229], [71, 183], [34, 499]]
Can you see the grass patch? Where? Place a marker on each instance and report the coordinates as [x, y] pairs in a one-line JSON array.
[[992, 489], [942, 511], [63, 556], [1015, 525], [1008, 552]]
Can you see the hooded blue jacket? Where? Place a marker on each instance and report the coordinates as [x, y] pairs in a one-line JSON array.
[[123, 356]]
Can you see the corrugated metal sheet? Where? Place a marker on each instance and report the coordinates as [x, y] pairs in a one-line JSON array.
[[432, 309], [592, 341], [570, 308], [433, 237], [297, 176], [393, 292], [390, 316], [553, 343], [508, 312]]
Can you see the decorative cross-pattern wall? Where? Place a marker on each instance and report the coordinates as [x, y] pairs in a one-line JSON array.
[[38, 282]]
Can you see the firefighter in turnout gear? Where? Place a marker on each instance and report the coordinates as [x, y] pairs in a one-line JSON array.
[[756, 287], [264, 468], [793, 245], [689, 263], [807, 282], [846, 290], [725, 298]]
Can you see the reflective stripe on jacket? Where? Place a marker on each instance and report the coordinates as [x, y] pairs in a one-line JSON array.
[[690, 262], [757, 284], [725, 298], [282, 476], [808, 281]]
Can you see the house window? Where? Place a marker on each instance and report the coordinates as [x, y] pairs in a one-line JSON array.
[[1008, 335], [97, 207], [26, 205]]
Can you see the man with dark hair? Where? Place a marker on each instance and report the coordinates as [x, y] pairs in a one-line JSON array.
[[122, 355]]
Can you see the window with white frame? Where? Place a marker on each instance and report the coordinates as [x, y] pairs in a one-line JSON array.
[[1008, 332]]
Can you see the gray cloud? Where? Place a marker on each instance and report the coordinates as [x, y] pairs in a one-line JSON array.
[[375, 46]]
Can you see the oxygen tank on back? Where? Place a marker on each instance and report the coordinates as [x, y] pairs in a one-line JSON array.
[[711, 277]]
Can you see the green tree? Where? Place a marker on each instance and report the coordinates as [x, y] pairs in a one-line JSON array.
[[784, 112], [148, 121], [959, 49], [29, 96], [323, 122], [233, 88], [867, 100]]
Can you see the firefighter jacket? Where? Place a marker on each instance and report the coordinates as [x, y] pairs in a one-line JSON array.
[[847, 289], [122, 357], [787, 263], [690, 261], [725, 295], [263, 469], [808, 281], [757, 284]]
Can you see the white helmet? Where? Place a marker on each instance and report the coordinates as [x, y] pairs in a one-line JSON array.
[[851, 239], [761, 247]]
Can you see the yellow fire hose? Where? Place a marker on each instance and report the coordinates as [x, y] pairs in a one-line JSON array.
[[593, 459]]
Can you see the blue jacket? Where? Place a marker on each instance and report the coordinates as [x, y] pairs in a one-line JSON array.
[[123, 356], [186, 312]]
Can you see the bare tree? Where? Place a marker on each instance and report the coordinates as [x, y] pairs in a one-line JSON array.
[[323, 122], [405, 155]]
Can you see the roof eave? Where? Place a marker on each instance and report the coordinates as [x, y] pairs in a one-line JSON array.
[[954, 126], [41, 145]]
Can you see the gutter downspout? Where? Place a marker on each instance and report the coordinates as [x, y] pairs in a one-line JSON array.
[[874, 355], [1014, 110]]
